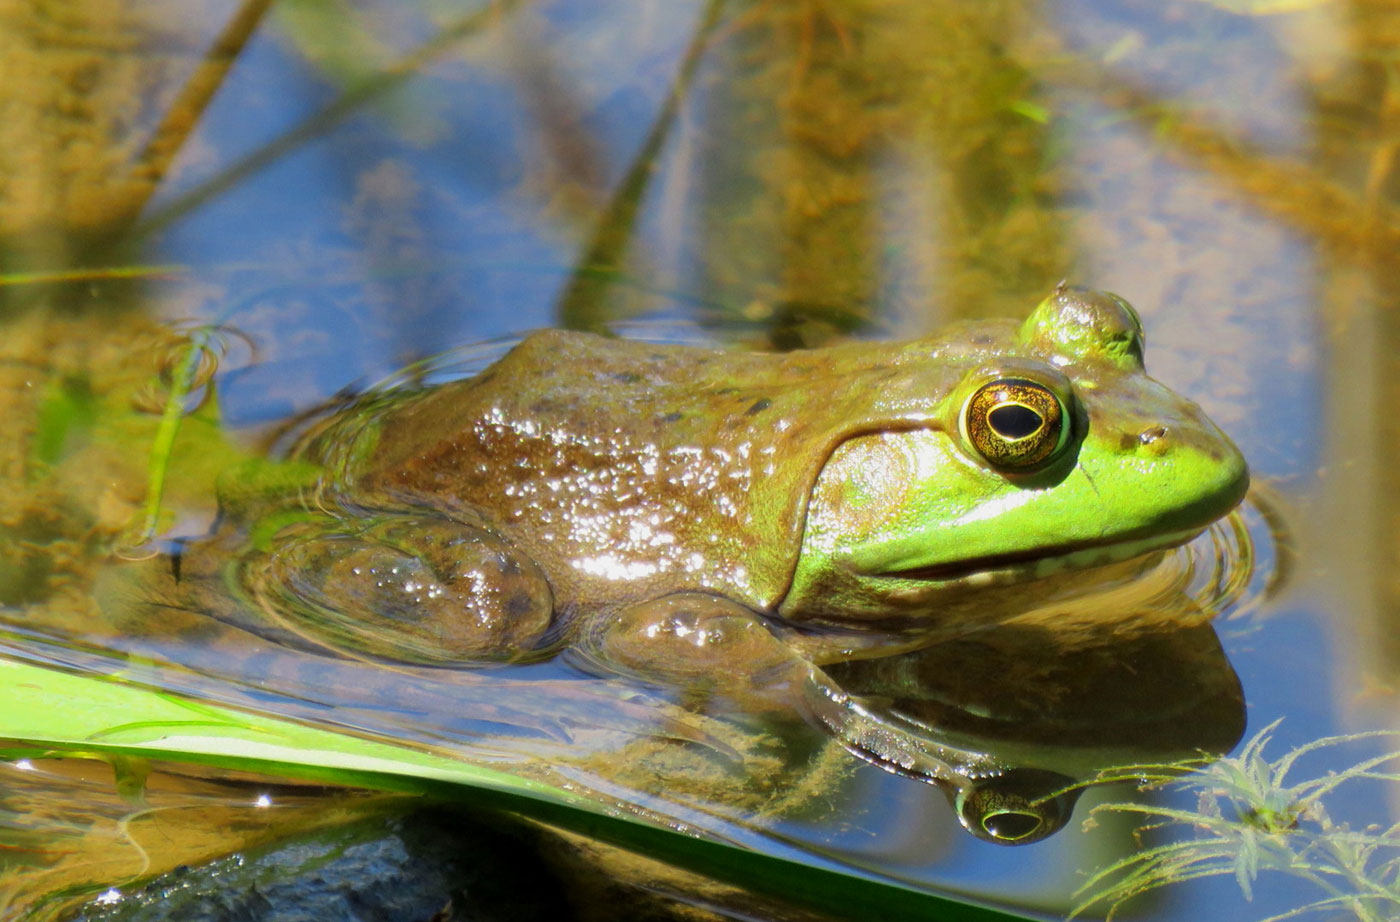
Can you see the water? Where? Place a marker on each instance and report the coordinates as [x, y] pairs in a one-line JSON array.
[[761, 175]]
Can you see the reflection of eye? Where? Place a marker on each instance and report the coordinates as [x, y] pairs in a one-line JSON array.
[[1016, 424], [1021, 806], [1011, 825]]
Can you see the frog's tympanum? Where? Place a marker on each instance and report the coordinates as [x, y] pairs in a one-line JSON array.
[[734, 522]]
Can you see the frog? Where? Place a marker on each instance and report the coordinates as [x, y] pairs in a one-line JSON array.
[[733, 522]]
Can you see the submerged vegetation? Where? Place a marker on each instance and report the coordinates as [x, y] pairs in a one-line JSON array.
[[1252, 818]]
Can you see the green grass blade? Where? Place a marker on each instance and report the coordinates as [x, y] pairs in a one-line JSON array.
[[51, 710]]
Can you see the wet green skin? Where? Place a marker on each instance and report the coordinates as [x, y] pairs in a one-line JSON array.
[[688, 515]]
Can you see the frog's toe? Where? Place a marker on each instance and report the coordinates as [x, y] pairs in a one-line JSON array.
[[398, 586]]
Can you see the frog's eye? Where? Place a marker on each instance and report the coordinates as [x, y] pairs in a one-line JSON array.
[[1016, 424]]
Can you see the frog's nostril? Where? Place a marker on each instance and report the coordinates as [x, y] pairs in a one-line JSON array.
[[1152, 434]]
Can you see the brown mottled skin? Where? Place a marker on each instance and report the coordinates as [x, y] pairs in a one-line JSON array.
[[579, 443]]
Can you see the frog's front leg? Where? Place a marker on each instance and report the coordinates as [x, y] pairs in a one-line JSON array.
[[701, 642], [407, 586]]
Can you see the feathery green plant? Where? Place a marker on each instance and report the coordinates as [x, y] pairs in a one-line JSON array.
[[1250, 819]]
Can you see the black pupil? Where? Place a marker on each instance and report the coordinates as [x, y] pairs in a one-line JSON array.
[[1011, 826], [1013, 421]]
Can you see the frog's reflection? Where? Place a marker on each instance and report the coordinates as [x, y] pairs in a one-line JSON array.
[[1005, 722]]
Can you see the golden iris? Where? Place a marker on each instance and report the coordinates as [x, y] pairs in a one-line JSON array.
[[1016, 424]]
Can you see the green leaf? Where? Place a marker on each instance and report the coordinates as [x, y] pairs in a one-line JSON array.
[[78, 715], [1031, 110]]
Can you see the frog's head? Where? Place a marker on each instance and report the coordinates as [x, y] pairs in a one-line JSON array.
[[1053, 450]]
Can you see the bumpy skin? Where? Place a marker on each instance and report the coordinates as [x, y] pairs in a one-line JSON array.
[[830, 485], [691, 515]]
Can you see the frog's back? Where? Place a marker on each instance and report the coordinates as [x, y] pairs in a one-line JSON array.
[[622, 466]]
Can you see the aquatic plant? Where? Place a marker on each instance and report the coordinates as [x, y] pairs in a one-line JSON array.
[[50, 714], [1249, 819]]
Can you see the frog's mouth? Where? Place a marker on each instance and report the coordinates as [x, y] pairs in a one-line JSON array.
[[1035, 563]]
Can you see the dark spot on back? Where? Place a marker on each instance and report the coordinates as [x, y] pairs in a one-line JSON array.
[[673, 417], [626, 377], [519, 605], [758, 406], [1152, 434], [552, 405]]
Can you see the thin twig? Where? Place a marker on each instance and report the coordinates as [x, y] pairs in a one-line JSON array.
[[185, 112], [353, 99]]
